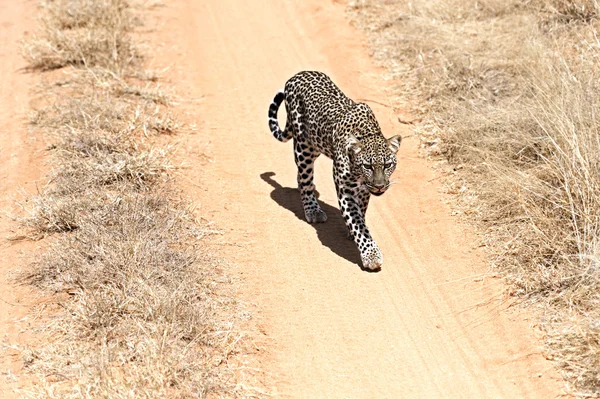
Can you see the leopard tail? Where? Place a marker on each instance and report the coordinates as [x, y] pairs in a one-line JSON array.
[[281, 135]]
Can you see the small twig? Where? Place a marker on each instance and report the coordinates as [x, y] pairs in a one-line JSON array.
[[375, 102], [404, 122], [435, 178]]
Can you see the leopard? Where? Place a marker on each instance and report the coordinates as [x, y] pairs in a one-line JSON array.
[[321, 119]]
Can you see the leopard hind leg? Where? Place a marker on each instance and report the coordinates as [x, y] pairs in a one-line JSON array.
[[305, 156]]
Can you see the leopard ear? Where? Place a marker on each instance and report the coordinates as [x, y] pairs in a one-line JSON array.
[[353, 144], [394, 143]]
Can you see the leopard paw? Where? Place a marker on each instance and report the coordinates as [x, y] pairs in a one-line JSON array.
[[315, 216], [372, 259]]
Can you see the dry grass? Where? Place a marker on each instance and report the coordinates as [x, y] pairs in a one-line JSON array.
[[509, 90], [146, 310], [144, 316], [94, 33]]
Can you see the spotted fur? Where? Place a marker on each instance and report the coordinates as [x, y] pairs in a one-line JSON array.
[[322, 120]]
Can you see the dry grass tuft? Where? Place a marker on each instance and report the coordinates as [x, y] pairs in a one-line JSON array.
[[87, 33], [568, 11], [146, 310], [510, 91]]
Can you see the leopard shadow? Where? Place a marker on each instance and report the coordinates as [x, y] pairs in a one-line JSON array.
[[332, 233]]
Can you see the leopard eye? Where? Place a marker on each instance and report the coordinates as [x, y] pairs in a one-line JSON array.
[[368, 166], [387, 165]]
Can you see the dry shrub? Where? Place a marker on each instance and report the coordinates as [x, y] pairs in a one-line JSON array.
[[564, 191], [89, 33], [106, 107], [139, 170], [96, 140], [568, 11], [55, 214], [510, 92], [145, 317], [147, 312], [61, 48], [69, 14]]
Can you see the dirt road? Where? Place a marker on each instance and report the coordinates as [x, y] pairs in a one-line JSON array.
[[429, 324], [20, 160]]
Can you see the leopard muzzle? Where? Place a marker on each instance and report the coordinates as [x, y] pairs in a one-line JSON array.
[[379, 184]]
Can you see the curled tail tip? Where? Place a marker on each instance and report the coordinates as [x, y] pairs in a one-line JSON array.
[[280, 96], [277, 100], [273, 123]]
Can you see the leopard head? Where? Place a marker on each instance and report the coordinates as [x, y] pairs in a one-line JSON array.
[[374, 157]]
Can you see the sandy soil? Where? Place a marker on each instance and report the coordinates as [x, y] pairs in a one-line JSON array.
[[430, 324], [20, 159]]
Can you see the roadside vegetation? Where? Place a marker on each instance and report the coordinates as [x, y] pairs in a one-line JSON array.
[[144, 309], [509, 94]]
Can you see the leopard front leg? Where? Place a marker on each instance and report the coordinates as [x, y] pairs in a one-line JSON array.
[[362, 198], [305, 156], [370, 253]]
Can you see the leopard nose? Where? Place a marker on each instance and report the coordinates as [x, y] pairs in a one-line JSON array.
[[379, 185]]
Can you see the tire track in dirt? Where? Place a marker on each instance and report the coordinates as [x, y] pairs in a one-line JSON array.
[[429, 324]]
